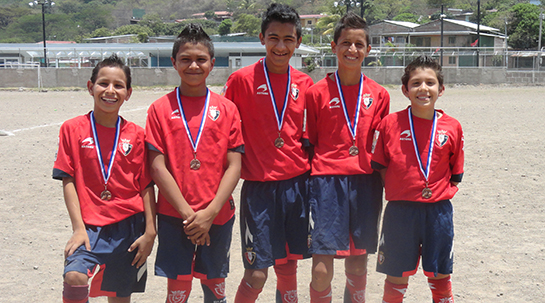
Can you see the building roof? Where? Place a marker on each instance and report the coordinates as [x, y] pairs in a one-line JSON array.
[[403, 23], [472, 25]]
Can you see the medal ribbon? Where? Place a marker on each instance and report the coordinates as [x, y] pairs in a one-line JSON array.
[[426, 171], [279, 116], [105, 174], [194, 143], [351, 126]]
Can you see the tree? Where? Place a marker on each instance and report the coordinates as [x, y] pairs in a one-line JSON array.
[[225, 27], [248, 24], [406, 17], [142, 32], [210, 15], [153, 22], [524, 27]]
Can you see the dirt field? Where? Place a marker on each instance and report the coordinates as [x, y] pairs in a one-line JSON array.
[[499, 210]]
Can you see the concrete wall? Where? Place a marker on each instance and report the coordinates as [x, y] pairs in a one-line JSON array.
[[66, 77]]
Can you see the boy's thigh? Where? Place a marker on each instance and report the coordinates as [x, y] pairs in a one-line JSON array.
[[345, 212], [274, 215], [109, 262], [412, 229], [175, 253]]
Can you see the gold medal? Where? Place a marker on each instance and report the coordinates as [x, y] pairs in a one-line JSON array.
[[426, 193], [106, 195], [353, 151], [279, 142], [195, 164]]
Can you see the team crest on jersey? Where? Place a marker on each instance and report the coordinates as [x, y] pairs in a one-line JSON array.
[[88, 143], [442, 138], [175, 114], [405, 135], [367, 101], [262, 90], [125, 146], [213, 113], [250, 255], [334, 103], [177, 296], [380, 257], [294, 91]]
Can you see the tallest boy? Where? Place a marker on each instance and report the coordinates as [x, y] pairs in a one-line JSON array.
[[274, 206]]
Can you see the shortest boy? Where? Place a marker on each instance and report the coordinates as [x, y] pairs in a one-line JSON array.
[[195, 145], [108, 192], [419, 152]]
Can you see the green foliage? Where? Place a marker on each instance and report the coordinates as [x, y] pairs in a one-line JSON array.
[[153, 22], [210, 15], [408, 17], [524, 27], [11, 13], [248, 24], [100, 32], [142, 32], [225, 27]]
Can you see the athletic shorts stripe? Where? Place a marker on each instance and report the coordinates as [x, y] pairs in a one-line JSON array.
[[414, 229], [108, 264], [175, 253], [345, 211], [274, 223]]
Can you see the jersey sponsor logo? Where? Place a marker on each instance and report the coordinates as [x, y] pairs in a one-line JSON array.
[[367, 101], [375, 139], [213, 113], [88, 142], [334, 103], [125, 146], [405, 135], [250, 255], [294, 91], [223, 90], [291, 296], [175, 114], [442, 137], [177, 296], [263, 90]]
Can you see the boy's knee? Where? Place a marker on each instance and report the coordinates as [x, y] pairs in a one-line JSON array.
[[76, 278], [256, 277], [356, 265]]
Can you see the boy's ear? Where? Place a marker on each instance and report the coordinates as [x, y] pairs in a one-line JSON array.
[[441, 90], [129, 93], [299, 41], [173, 62], [262, 38], [405, 91], [333, 47], [90, 87], [212, 62]]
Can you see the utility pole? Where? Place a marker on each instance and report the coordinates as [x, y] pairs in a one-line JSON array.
[[478, 29], [442, 18]]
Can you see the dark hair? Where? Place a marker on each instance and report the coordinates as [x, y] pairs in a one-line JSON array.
[[112, 61], [283, 14], [422, 62], [194, 34], [351, 20]]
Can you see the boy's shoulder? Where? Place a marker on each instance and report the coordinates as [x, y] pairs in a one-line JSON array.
[[372, 84], [447, 119], [246, 72], [165, 99], [77, 122]]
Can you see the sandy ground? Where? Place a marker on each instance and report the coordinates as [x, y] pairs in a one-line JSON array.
[[499, 210]]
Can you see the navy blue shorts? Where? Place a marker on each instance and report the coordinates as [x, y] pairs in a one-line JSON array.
[[108, 264], [411, 229], [179, 259], [274, 226], [346, 212]]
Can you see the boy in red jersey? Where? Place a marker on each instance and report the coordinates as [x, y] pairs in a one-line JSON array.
[[195, 145], [108, 192], [343, 111], [274, 205], [420, 154]]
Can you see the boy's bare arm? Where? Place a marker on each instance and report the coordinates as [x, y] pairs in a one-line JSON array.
[[79, 235], [198, 225], [167, 185], [145, 242]]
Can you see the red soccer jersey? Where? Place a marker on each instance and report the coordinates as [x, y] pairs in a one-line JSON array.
[[262, 161], [165, 132], [328, 130], [394, 150], [77, 158]]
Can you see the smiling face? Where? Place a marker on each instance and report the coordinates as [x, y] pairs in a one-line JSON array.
[[193, 64], [351, 48], [280, 40], [423, 89], [109, 90]]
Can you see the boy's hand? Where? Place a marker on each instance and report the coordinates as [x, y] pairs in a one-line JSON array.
[[197, 226], [78, 239], [144, 244]]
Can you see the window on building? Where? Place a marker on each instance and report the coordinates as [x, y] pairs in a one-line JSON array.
[[452, 60], [309, 22], [452, 40], [400, 39], [375, 40], [423, 41]]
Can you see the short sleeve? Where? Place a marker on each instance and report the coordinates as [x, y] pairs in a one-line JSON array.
[[236, 141], [379, 159], [154, 133], [64, 159]]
